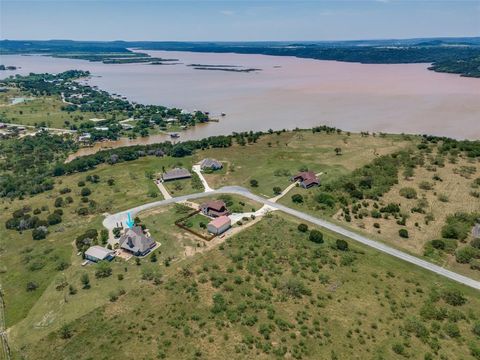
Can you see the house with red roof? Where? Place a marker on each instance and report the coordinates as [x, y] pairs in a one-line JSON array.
[[214, 208], [307, 179], [219, 225]]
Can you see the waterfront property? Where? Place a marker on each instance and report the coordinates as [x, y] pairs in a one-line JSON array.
[[210, 164], [214, 208], [98, 253], [307, 179], [136, 242], [176, 174], [219, 225]]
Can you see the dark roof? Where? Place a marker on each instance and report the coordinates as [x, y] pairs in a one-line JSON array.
[[210, 164], [177, 173], [216, 205], [134, 240]]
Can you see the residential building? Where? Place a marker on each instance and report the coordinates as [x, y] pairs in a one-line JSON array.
[[176, 174], [136, 242], [219, 225], [214, 208], [307, 179], [98, 253], [210, 164]]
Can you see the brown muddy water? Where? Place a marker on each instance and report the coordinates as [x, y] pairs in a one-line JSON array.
[[288, 92]]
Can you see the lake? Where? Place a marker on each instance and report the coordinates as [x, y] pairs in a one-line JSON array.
[[288, 92]]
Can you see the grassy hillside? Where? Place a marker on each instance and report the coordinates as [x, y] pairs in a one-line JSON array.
[[271, 293], [273, 159]]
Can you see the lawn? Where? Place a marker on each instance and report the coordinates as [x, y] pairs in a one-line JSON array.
[[269, 292], [275, 158], [43, 109]]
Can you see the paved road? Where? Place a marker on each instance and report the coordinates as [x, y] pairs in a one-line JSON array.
[[112, 220]]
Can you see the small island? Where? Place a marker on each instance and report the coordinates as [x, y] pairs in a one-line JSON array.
[[7, 67], [231, 68]]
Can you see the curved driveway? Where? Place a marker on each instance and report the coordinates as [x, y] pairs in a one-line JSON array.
[[114, 220]]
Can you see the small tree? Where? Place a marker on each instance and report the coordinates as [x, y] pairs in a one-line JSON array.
[[342, 245], [403, 233], [277, 190], [85, 281], [338, 151], [58, 202], [253, 183], [302, 227], [85, 191], [104, 236], [66, 332], [103, 269], [153, 257], [316, 236], [32, 286], [297, 198]]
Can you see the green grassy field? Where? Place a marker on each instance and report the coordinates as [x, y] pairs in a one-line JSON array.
[[271, 293], [45, 109], [356, 304], [275, 158]]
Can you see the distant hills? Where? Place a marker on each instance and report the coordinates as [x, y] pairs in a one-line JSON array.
[[454, 55]]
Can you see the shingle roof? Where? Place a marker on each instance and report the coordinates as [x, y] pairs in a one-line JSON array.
[[210, 163], [307, 177], [177, 173], [98, 252], [220, 221], [134, 240], [216, 205]]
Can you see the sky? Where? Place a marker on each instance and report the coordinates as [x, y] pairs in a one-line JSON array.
[[237, 20]]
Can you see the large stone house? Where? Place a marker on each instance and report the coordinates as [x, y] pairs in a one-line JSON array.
[[136, 242]]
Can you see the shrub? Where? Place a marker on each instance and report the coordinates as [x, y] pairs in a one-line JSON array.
[[294, 288], [32, 286], [85, 281], [58, 202], [438, 244], [452, 330], [277, 190], [297, 198], [302, 227], [465, 254], [342, 245], [403, 233], [39, 233], [408, 193], [85, 191], [103, 269], [476, 328], [81, 183], [82, 211], [66, 332], [54, 219], [475, 243], [253, 183], [325, 198], [425, 185], [454, 297], [316, 236], [442, 197]]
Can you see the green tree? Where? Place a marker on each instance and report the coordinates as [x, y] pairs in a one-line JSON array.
[[85, 279], [316, 236]]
